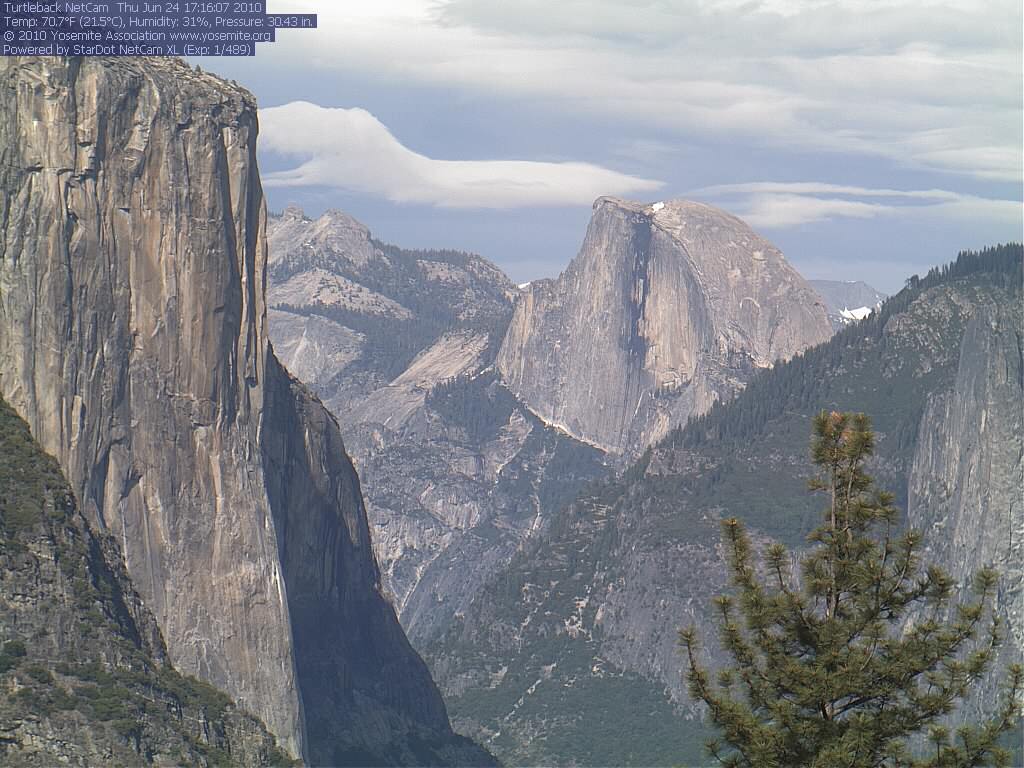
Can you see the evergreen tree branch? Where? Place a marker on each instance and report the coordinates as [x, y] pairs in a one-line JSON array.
[[819, 678]]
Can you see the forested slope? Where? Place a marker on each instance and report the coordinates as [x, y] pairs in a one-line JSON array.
[[562, 649], [83, 668]]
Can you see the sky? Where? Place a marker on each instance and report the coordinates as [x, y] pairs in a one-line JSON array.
[[868, 140]]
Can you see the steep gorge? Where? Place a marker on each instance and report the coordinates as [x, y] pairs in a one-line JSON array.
[[133, 340]]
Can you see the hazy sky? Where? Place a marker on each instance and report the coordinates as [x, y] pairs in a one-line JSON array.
[[868, 140]]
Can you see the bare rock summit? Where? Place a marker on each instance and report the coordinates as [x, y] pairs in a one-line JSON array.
[[666, 309]]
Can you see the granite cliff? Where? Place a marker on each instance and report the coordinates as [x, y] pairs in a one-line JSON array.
[[400, 345], [570, 653], [444, 375], [133, 340], [83, 666], [966, 478], [667, 309]]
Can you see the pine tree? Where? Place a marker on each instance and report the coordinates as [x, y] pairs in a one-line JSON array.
[[858, 661]]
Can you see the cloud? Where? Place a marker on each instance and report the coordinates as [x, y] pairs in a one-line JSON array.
[[926, 84], [649, 151], [818, 188], [778, 211], [781, 205], [350, 149]]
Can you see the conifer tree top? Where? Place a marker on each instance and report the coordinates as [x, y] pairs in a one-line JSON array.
[[864, 654]]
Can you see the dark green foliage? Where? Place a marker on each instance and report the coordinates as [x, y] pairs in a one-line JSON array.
[[823, 674], [802, 384], [14, 648], [13, 652], [111, 683], [188, 690], [473, 404], [627, 722], [39, 673], [28, 479]]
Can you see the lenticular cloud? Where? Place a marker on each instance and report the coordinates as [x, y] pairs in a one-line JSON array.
[[351, 149]]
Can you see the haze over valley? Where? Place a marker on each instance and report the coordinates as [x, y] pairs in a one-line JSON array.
[[592, 384]]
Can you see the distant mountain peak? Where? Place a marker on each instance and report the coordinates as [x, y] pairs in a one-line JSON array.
[[299, 243], [847, 300], [336, 217], [666, 308], [294, 212], [683, 219]]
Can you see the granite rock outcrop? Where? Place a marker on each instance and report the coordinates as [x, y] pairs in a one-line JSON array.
[[667, 309], [400, 346], [133, 340]]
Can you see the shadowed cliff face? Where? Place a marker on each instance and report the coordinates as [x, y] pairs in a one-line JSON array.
[[133, 340], [399, 344], [968, 471], [367, 696], [82, 664], [666, 309]]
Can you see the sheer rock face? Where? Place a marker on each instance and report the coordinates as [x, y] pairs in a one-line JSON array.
[[666, 309], [399, 344], [133, 340], [66, 598], [964, 490]]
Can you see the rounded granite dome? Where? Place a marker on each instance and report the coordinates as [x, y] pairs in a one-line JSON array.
[[668, 307]]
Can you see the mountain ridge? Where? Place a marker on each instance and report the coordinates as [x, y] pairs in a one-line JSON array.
[[578, 632]]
